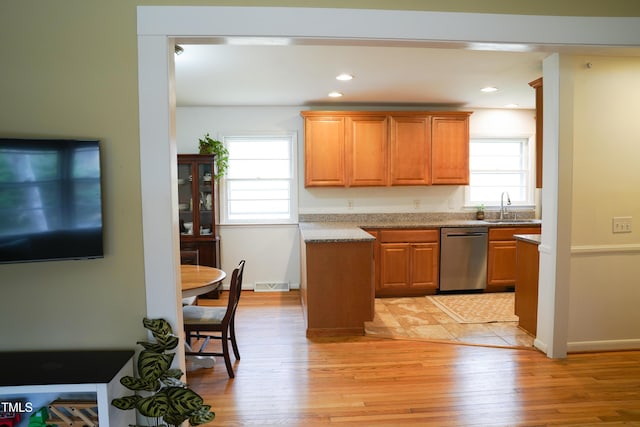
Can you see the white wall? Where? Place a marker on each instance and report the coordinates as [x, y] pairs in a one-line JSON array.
[[272, 251], [605, 267]]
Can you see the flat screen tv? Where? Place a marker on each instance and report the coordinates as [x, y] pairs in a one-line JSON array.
[[50, 200]]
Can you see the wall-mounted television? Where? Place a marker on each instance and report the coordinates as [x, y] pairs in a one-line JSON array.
[[50, 200]]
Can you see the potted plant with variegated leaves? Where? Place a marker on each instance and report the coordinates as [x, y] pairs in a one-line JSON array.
[[161, 396]]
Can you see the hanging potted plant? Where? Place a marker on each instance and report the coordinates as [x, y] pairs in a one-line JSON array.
[[209, 146], [163, 398]]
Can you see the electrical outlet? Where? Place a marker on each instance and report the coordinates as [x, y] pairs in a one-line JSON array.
[[621, 224], [416, 204], [349, 204]]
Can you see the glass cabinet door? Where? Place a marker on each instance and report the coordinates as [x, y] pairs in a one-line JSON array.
[[205, 205], [185, 199]]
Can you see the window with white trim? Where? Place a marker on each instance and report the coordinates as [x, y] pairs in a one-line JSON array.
[[259, 186], [497, 165]]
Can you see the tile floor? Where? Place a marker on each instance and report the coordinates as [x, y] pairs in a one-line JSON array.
[[418, 318]]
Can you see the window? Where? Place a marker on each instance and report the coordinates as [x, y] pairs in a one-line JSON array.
[[259, 187], [497, 165]]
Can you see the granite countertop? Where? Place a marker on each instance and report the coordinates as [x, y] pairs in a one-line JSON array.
[[325, 228], [529, 238], [333, 232]]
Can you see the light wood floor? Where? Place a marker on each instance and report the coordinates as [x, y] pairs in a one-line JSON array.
[[286, 379]]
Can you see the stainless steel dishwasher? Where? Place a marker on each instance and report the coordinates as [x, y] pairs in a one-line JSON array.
[[463, 258]]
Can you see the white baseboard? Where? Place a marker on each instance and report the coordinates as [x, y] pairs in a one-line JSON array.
[[605, 345], [593, 346], [542, 346]]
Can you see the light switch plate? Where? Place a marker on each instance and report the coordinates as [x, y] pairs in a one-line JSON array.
[[621, 224]]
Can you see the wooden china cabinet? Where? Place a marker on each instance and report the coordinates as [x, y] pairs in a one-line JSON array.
[[196, 207]]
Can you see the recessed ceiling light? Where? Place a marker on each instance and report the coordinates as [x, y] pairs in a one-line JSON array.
[[500, 47], [489, 89], [344, 77], [335, 94]]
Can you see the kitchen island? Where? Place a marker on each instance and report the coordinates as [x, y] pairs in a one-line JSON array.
[[336, 283], [340, 264]]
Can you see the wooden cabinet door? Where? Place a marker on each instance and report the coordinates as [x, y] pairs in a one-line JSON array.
[[537, 85], [367, 151], [450, 150], [410, 150], [501, 267], [394, 269], [407, 269], [324, 148], [424, 266]]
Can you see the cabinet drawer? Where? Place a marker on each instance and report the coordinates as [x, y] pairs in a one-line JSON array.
[[506, 233], [408, 236]]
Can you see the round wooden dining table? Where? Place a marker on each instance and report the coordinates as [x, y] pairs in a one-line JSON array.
[[200, 279]]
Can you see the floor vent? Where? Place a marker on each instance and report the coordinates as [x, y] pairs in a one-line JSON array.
[[271, 287]]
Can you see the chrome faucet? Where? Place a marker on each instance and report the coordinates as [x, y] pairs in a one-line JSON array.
[[503, 208]]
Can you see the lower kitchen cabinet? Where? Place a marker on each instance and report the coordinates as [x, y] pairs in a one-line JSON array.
[[408, 262], [501, 257]]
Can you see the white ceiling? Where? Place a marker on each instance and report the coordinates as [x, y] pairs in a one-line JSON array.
[[303, 74]]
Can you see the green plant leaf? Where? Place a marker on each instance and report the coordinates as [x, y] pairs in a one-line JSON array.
[[175, 419], [202, 416], [125, 402], [153, 406], [168, 342], [151, 365], [173, 373], [159, 327], [163, 343], [183, 400], [152, 346], [137, 384]]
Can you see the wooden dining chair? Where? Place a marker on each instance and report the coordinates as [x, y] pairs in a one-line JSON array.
[[216, 322]]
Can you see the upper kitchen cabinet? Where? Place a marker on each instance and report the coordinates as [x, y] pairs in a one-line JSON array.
[[366, 150], [450, 149], [410, 150], [324, 149], [371, 148]]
